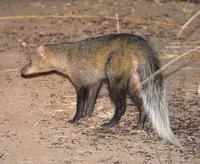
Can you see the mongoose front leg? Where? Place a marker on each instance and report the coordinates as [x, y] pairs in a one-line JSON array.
[[82, 95], [91, 99]]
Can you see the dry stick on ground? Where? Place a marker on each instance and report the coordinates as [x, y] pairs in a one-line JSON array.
[[117, 23], [56, 16], [9, 70], [187, 23], [38, 122], [155, 148], [167, 65]]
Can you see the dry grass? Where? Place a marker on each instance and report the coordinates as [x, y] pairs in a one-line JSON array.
[[163, 24]]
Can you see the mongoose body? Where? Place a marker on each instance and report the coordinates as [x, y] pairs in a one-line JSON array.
[[122, 61]]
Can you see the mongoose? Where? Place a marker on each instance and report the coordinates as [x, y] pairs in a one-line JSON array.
[[122, 61]]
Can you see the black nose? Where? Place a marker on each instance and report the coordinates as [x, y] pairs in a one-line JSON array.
[[23, 71]]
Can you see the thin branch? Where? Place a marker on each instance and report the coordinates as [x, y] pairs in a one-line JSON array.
[[117, 23], [38, 122], [55, 16], [187, 23], [155, 148], [153, 138], [168, 64], [9, 70]]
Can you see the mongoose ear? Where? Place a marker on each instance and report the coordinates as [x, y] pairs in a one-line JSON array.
[[41, 51]]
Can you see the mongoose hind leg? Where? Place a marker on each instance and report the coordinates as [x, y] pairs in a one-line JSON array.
[[118, 97], [142, 115], [134, 89]]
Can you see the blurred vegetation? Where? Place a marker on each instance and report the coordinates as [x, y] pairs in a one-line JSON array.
[[192, 1]]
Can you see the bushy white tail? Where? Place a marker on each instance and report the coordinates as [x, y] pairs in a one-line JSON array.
[[153, 98]]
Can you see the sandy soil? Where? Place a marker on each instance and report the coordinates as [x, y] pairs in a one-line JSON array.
[[34, 112]]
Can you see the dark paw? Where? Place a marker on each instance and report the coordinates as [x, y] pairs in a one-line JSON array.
[[87, 114], [108, 125], [73, 121], [140, 125]]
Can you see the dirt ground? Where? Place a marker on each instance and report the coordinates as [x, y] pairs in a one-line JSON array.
[[34, 112]]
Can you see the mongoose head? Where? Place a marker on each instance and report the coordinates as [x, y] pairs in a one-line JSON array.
[[40, 62]]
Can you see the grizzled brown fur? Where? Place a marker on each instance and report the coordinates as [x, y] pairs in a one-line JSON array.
[[122, 61]]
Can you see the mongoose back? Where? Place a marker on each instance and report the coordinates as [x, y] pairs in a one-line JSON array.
[[122, 61]]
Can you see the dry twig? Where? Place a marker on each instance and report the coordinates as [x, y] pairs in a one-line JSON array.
[[117, 23], [9, 70], [155, 148], [187, 23], [37, 123], [168, 64]]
